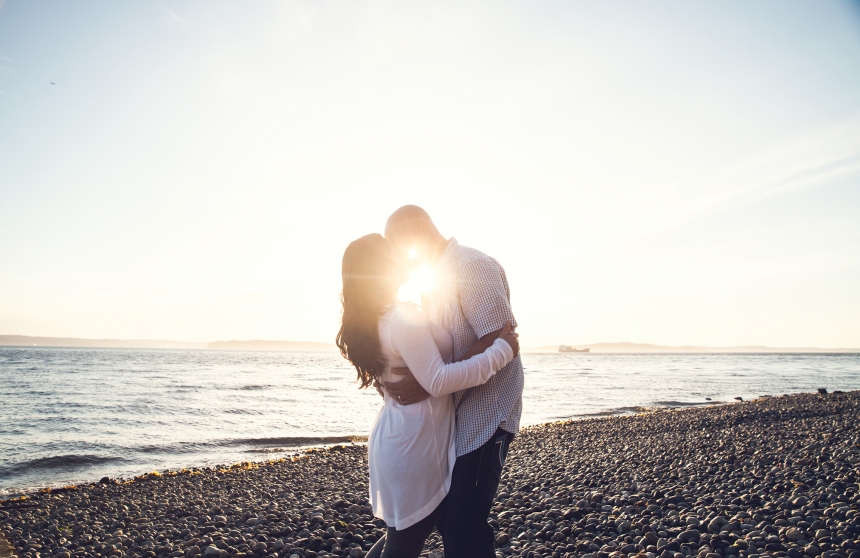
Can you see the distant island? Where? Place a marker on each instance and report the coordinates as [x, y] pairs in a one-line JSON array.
[[300, 346], [627, 347], [255, 345], [317, 347], [102, 343]]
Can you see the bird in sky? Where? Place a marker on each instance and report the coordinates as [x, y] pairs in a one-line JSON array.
[[52, 83]]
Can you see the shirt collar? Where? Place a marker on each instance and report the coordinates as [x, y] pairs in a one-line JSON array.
[[448, 252]]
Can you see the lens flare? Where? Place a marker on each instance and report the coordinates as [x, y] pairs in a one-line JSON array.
[[424, 278], [421, 281]]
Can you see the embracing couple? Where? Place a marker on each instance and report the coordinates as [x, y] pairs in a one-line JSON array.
[[451, 378]]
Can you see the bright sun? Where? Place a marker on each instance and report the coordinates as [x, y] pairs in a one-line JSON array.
[[421, 281], [424, 278]]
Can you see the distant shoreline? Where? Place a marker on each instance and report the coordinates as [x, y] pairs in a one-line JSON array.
[[253, 345], [642, 348], [260, 345], [314, 346], [28, 341]]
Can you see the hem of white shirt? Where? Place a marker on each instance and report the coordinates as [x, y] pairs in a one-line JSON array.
[[417, 516]]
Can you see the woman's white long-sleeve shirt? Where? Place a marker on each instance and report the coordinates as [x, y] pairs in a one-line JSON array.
[[411, 448]]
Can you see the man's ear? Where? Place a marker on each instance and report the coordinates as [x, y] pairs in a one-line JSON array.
[[424, 230]]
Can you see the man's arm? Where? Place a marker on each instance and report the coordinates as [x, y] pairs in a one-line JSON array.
[[484, 343], [484, 297]]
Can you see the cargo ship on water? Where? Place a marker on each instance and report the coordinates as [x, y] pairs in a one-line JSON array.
[[569, 349]]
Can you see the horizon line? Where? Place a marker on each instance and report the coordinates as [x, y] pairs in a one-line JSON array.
[[265, 344]]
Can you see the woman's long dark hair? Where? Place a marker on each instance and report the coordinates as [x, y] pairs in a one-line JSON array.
[[367, 291]]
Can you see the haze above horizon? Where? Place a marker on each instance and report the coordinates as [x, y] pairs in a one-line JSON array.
[[673, 173]]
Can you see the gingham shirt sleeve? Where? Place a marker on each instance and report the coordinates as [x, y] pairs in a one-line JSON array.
[[484, 297]]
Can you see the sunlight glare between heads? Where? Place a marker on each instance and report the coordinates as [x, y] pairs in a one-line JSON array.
[[421, 281]]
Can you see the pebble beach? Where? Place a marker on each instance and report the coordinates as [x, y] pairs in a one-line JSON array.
[[775, 477]]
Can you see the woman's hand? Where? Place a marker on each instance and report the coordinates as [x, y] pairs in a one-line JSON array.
[[510, 338], [378, 387]]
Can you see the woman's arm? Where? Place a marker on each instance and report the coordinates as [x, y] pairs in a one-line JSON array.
[[412, 340]]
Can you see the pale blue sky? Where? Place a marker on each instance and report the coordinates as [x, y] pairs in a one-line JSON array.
[[665, 172]]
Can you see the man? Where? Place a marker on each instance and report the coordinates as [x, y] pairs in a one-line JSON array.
[[471, 301]]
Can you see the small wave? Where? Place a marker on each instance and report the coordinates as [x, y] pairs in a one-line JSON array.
[[296, 441], [633, 409], [263, 445], [177, 448], [687, 403], [617, 411], [587, 415], [256, 387], [636, 409], [270, 450], [69, 462]]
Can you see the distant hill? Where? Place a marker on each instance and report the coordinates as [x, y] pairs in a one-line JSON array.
[[314, 347], [104, 343], [259, 345], [627, 347]]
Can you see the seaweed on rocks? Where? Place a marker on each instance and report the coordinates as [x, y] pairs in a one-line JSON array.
[[774, 477]]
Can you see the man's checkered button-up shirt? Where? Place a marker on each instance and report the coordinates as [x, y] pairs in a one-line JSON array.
[[472, 299]]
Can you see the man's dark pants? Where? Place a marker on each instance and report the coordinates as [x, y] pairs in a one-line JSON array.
[[464, 527]]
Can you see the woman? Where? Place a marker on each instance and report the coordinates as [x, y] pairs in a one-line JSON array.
[[410, 448]]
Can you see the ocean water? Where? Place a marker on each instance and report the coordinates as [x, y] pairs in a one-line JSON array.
[[71, 415]]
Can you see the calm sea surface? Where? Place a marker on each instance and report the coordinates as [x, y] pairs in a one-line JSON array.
[[72, 415]]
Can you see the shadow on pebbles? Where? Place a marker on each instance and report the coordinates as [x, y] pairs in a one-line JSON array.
[[771, 477]]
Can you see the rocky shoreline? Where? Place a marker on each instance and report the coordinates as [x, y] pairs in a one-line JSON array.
[[771, 477]]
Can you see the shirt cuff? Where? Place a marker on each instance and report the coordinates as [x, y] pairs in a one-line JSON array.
[[506, 349]]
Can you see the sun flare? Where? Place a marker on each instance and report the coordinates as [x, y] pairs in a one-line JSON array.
[[421, 281], [424, 278]]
